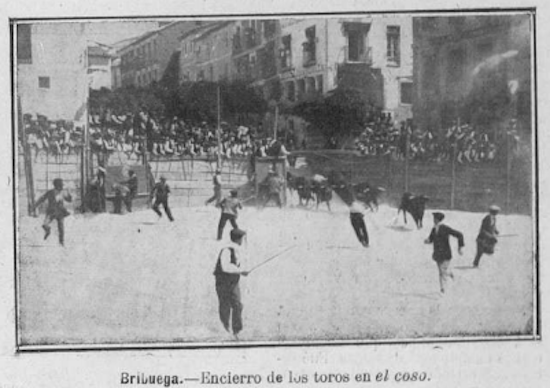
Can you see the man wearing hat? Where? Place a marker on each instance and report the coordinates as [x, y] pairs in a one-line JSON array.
[[217, 181], [230, 207], [132, 184], [487, 237], [160, 191], [228, 272], [439, 237], [56, 210]]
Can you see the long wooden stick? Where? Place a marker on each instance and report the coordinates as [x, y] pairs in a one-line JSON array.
[[272, 257]]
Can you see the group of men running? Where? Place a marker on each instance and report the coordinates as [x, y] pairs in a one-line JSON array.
[[228, 265]]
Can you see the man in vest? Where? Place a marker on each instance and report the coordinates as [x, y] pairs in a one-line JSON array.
[[487, 237], [217, 181], [439, 237], [228, 272]]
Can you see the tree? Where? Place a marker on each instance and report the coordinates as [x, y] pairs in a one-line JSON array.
[[337, 116]]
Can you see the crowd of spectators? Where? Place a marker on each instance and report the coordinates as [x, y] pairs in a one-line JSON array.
[[133, 134], [467, 143]]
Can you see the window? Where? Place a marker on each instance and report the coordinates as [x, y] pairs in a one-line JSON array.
[[44, 82], [290, 89], [406, 92], [309, 47], [24, 46], [310, 85], [320, 83], [286, 52], [393, 42], [301, 88], [356, 46]]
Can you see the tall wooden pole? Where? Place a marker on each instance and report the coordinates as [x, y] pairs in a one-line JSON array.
[[218, 132], [508, 170], [407, 152], [276, 122], [453, 170], [27, 157]]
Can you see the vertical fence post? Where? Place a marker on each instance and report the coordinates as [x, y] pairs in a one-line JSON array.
[[27, 159], [508, 171], [407, 153], [453, 176]]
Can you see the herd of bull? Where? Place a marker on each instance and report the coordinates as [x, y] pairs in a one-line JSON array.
[[319, 189]]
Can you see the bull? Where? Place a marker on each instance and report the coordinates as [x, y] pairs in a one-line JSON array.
[[415, 205]]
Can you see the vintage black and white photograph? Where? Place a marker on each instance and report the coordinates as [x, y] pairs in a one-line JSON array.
[[275, 179]]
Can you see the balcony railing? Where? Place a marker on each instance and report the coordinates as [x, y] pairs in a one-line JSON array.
[[358, 56]]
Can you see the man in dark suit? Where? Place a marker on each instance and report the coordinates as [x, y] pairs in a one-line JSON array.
[[56, 210], [487, 237], [439, 237], [132, 184]]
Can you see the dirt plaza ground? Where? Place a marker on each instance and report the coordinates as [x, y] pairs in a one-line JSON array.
[[133, 279]]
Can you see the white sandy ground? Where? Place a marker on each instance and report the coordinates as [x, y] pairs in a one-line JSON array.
[[135, 279]]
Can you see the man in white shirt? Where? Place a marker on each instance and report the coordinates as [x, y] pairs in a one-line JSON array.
[[228, 273]]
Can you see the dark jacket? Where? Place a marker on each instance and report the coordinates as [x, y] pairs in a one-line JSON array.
[[488, 230], [487, 237], [440, 240], [56, 203], [132, 184], [161, 191]]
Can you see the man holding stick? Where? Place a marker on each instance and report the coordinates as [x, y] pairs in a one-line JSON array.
[[487, 237], [228, 274]]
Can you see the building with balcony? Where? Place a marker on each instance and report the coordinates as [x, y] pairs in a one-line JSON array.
[[370, 54], [146, 59], [51, 75], [455, 57]]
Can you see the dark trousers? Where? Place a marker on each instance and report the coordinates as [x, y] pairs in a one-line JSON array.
[[229, 297], [216, 197], [223, 220], [360, 228], [128, 201], [479, 253], [117, 203], [163, 202], [60, 227], [273, 196]]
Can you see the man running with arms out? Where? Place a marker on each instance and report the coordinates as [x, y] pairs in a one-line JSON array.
[[230, 207], [442, 250], [160, 191], [228, 274], [56, 209]]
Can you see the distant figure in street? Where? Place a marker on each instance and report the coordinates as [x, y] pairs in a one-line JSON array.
[[132, 185], [357, 221], [229, 206], [439, 237], [217, 181], [161, 191], [487, 237], [274, 186], [228, 274], [56, 208]]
